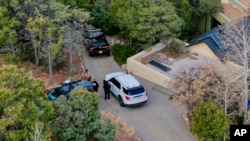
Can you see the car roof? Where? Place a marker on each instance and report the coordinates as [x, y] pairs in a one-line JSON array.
[[67, 87], [129, 81], [83, 83], [114, 74], [93, 33]]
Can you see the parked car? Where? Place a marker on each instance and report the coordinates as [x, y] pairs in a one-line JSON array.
[[96, 42], [67, 87], [126, 88]]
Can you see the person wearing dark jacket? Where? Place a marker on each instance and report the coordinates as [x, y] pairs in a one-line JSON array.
[[106, 87], [95, 85]]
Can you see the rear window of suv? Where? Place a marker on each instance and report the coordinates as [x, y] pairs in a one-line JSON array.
[[135, 91]]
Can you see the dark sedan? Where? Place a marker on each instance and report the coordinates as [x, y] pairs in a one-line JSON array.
[[66, 88]]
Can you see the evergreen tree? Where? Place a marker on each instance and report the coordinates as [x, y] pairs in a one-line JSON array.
[[209, 121], [8, 34], [136, 19], [48, 38], [79, 118], [22, 105]]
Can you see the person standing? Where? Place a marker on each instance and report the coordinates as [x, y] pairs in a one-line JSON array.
[[106, 87], [95, 85], [86, 75]]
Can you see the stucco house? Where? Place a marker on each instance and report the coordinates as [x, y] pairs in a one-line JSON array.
[[224, 40], [206, 48]]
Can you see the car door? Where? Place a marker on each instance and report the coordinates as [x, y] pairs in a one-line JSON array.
[[114, 86]]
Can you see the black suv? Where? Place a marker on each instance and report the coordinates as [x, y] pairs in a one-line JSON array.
[[66, 88], [96, 42]]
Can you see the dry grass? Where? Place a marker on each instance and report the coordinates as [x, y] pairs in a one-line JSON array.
[[124, 131]]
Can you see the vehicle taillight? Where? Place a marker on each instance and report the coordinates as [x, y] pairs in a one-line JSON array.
[[146, 93], [127, 98], [91, 49]]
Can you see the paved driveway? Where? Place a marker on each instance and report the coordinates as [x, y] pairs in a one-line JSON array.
[[158, 120]]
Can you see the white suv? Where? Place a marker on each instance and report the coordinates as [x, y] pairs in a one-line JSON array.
[[126, 88]]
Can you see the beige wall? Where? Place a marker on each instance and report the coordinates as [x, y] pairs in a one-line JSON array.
[[220, 17], [204, 49], [137, 68]]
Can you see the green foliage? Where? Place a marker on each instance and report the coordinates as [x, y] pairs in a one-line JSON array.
[[11, 59], [73, 38], [47, 37], [79, 118], [122, 52], [8, 25], [68, 14], [184, 10], [209, 121], [175, 46], [22, 104], [22, 10], [136, 19], [103, 17], [203, 7], [191, 11], [106, 132], [152, 13], [186, 14], [41, 24], [86, 4], [238, 119]]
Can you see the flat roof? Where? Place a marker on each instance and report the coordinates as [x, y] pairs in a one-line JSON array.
[[245, 3], [232, 12]]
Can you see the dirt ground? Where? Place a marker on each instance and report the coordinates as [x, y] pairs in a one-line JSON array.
[[61, 73], [124, 131]]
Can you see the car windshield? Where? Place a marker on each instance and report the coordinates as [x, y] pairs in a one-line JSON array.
[[99, 43], [135, 91], [95, 33]]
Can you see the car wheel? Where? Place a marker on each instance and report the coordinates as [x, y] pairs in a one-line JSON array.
[[121, 101], [108, 54]]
